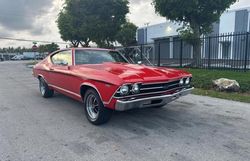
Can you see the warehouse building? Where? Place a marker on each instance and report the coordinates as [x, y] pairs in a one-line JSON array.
[[165, 40]]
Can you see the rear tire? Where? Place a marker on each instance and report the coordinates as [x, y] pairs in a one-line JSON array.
[[44, 89], [95, 111]]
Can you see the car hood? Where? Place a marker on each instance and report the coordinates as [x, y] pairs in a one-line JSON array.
[[130, 73]]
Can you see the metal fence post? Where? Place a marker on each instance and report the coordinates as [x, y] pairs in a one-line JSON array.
[[159, 55], [209, 52], [246, 52], [181, 53]]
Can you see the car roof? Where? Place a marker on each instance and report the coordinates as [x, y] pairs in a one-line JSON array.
[[100, 49]]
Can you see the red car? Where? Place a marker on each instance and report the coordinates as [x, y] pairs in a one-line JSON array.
[[105, 81]]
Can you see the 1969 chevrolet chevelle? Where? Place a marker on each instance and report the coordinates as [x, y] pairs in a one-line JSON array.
[[105, 81]]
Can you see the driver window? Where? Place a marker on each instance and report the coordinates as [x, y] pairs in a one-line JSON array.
[[63, 58]]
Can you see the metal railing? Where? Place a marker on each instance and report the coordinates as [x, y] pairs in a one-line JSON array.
[[229, 51]]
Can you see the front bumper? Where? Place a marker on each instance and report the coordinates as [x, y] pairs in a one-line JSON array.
[[150, 101]]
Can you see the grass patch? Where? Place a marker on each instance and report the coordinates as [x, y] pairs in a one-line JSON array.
[[241, 97], [202, 81], [32, 63], [203, 78]]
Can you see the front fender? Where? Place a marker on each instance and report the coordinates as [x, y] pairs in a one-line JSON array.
[[105, 90]]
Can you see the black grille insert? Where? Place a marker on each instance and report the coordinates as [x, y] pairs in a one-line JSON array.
[[151, 88]]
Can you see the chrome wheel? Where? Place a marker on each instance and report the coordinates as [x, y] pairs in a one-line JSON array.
[[92, 106], [42, 88]]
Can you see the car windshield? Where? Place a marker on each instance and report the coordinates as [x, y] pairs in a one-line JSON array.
[[97, 57]]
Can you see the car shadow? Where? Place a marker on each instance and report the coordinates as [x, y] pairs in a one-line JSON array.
[[172, 117]]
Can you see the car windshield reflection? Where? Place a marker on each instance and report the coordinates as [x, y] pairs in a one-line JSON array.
[[97, 57]]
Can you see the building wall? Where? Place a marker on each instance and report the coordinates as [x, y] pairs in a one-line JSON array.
[[165, 34], [249, 20], [148, 34], [162, 30], [241, 21], [140, 36], [230, 21], [227, 22], [164, 47]]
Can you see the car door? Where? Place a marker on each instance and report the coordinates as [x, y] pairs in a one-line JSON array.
[[60, 71]]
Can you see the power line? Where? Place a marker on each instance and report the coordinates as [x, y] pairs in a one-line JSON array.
[[13, 15], [29, 40]]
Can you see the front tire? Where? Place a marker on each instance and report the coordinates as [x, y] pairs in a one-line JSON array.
[[44, 89], [95, 111]]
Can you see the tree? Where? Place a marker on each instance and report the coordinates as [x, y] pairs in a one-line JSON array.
[[48, 48], [127, 34], [107, 17], [83, 21], [197, 17], [72, 23]]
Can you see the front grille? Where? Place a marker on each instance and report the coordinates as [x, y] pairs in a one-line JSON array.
[[154, 88], [159, 87]]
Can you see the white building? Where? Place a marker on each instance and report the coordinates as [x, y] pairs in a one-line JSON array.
[[231, 21], [164, 37]]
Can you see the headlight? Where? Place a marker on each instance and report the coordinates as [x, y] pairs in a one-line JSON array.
[[187, 81], [136, 89], [124, 90], [182, 82]]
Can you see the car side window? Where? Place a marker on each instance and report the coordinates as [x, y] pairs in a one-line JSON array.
[[63, 58]]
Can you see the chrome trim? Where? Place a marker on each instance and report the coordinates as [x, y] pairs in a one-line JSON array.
[[151, 88], [143, 94], [147, 102], [39, 75], [113, 96], [56, 52], [93, 86], [154, 83], [160, 86], [65, 90]]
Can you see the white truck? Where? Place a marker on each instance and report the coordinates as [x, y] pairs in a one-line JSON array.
[[30, 55]]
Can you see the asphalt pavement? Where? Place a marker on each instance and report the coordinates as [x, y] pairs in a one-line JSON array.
[[194, 128]]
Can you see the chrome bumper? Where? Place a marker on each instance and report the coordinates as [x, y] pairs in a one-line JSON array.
[[151, 101]]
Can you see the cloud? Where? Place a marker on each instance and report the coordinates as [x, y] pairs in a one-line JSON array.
[[4, 34], [29, 20], [142, 12], [21, 14], [35, 19]]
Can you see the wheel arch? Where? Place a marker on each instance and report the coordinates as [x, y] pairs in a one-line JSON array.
[[39, 76], [85, 86]]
